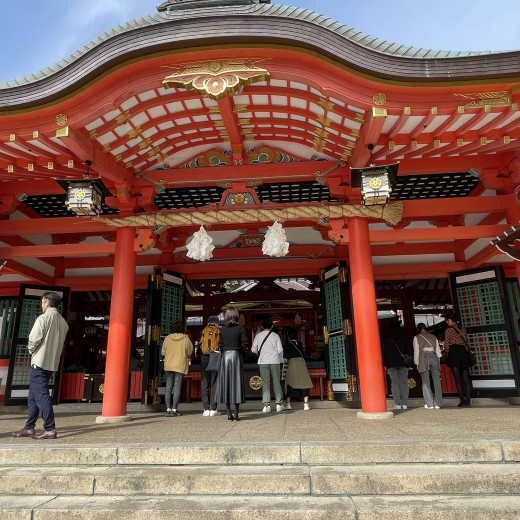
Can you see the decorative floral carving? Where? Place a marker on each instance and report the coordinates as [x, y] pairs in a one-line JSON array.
[[217, 78]]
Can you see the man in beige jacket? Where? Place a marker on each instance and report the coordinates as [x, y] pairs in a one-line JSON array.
[[45, 346]]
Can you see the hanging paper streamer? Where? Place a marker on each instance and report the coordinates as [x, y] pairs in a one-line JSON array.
[[201, 246], [275, 241]]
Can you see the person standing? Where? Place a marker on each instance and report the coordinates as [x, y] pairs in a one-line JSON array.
[[45, 345], [208, 379], [176, 349], [268, 346], [230, 385], [394, 346], [297, 380], [427, 355], [455, 339]]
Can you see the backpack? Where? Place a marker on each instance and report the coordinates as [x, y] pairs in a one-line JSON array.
[[209, 339]]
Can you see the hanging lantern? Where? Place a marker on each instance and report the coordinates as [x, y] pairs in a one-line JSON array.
[[201, 246], [275, 241], [297, 319]]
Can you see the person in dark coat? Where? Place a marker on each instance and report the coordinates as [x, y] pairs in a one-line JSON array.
[[394, 345], [233, 339]]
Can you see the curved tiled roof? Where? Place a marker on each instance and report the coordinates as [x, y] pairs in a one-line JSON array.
[[274, 24]]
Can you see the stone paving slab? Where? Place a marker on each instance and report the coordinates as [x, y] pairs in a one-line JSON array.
[[404, 451], [436, 507], [486, 423], [416, 479], [202, 508], [431, 507]]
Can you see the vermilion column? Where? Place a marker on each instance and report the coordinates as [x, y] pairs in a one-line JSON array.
[[513, 218], [370, 363], [120, 326]]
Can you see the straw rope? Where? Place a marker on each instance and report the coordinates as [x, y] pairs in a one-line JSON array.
[[391, 213]]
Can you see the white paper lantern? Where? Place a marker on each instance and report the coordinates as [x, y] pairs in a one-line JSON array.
[[201, 246], [275, 241]]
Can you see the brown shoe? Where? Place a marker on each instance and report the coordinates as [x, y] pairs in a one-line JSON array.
[[46, 435], [24, 433]]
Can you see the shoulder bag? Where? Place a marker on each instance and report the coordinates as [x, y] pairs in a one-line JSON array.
[[472, 359], [260, 349], [407, 358]]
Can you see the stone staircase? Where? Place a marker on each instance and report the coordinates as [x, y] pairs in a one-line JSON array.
[[252, 481]]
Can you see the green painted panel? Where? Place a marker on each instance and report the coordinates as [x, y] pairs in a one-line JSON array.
[[31, 309], [333, 307], [171, 307], [480, 305], [337, 357], [492, 353]]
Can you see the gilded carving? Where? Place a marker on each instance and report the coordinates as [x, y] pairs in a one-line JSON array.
[[255, 383], [216, 79], [326, 105], [330, 393], [325, 335], [347, 328], [491, 99], [123, 118], [379, 99], [61, 119]]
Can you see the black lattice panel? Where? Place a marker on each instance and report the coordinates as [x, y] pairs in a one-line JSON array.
[[492, 353], [337, 357], [480, 305], [171, 307], [7, 313], [333, 305]]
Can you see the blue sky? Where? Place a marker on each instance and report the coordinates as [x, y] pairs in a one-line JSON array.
[[36, 34]]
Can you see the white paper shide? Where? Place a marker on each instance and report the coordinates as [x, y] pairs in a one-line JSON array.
[[275, 241], [201, 246]]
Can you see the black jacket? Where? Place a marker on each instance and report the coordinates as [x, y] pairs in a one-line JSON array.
[[232, 337], [391, 356]]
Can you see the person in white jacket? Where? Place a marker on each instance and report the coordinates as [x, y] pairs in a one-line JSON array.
[[268, 346], [427, 354]]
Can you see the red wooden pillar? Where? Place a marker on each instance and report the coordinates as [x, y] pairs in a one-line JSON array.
[[120, 327], [513, 218], [370, 363]]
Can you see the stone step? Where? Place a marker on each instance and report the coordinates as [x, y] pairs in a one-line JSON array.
[[381, 479], [27, 452], [430, 507]]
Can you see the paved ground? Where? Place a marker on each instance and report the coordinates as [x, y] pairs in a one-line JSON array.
[[327, 421]]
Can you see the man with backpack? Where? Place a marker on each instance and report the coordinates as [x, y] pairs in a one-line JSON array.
[[209, 342]]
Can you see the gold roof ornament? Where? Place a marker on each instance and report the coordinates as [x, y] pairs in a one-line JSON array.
[[216, 79]]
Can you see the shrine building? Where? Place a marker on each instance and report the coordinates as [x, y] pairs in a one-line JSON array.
[[244, 153]]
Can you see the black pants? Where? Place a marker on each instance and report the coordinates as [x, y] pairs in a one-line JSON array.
[[39, 400], [208, 379]]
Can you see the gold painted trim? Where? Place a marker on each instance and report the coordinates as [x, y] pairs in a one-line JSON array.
[[379, 113]]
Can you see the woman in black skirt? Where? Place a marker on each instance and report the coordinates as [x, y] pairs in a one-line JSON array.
[[455, 339], [233, 339]]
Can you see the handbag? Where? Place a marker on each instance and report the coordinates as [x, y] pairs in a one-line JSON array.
[[214, 361], [285, 366], [407, 358], [470, 355]]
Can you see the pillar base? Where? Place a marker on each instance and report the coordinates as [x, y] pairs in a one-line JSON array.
[[101, 419], [375, 415]]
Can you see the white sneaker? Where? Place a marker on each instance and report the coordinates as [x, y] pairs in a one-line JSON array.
[[437, 407], [212, 413], [205, 413], [404, 407], [280, 408], [267, 409], [428, 407], [397, 407], [288, 406], [306, 407]]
